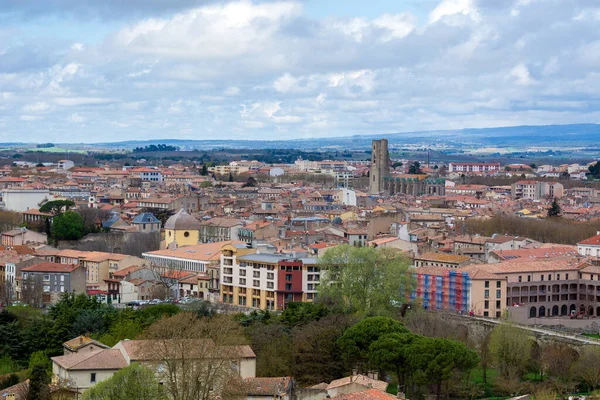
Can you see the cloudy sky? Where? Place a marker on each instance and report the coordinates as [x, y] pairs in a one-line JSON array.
[[93, 71]]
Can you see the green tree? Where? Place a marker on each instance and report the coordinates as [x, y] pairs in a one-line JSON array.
[[204, 170], [434, 360], [56, 207], [230, 177], [554, 210], [356, 341], [40, 358], [389, 352], [68, 226], [415, 168], [511, 350], [38, 383], [298, 313], [365, 280], [134, 382], [9, 381], [595, 170], [397, 164]]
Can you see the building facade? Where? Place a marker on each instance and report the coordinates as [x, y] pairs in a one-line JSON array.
[[380, 166]]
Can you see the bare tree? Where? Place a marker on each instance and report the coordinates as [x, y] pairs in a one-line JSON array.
[[167, 275], [196, 359], [556, 359], [587, 368], [6, 292], [92, 216], [137, 243], [32, 289], [9, 220]]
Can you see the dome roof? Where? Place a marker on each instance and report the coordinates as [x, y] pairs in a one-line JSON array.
[[182, 221]]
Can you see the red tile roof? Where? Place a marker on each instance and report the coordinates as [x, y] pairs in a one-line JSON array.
[[594, 240], [51, 267]]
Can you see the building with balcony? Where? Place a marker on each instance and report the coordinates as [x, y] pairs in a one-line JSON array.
[[266, 281]]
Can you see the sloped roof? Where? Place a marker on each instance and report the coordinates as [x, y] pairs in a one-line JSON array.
[[360, 380], [145, 218], [81, 341], [93, 360], [266, 386]]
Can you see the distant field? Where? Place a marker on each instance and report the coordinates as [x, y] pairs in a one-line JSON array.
[[57, 150]]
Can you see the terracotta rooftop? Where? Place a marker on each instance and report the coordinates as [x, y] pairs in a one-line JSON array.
[[363, 380], [369, 394], [266, 386], [443, 257], [51, 267], [594, 240], [110, 359]]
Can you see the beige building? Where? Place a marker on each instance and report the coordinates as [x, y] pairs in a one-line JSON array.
[[441, 260]]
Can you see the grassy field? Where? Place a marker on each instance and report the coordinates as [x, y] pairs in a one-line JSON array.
[[592, 335]]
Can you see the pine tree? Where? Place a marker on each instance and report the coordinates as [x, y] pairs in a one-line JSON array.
[[230, 177], [554, 210], [204, 170], [38, 383]]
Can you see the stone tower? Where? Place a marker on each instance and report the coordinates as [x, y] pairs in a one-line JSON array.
[[380, 166]]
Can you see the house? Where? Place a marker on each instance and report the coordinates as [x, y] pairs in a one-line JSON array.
[[146, 223], [281, 388], [355, 383], [82, 344], [590, 247], [22, 236], [220, 229], [82, 370], [55, 279]]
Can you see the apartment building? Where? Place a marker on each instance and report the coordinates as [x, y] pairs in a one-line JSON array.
[[464, 290], [55, 279], [219, 229], [473, 167], [266, 281], [551, 287], [535, 190]]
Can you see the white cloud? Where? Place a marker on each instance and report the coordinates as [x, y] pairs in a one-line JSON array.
[[454, 7], [76, 118], [521, 74], [269, 67], [37, 107]]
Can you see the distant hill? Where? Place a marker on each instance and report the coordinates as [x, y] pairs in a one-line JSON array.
[[521, 136]]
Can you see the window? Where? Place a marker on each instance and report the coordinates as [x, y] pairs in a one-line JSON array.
[[542, 278], [498, 284], [288, 277], [288, 286], [528, 278], [487, 294], [486, 304], [486, 314], [270, 285], [558, 277], [46, 288], [567, 276], [93, 377], [256, 283], [487, 284], [242, 281], [497, 303], [498, 294], [242, 272], [498, 314], [186, 234], [520, 279], [256, 274], [46, 278], [270, 275]]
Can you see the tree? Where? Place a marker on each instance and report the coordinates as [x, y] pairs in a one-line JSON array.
[[68, 226], [195, 358], [415, 168], [554, 210], [9, 220], [587, 367], [595, 170], [56, 207], [397, 164], [38, 383], [250, 182], [433, 360], [32, 290], [533, 166], [316, 355], [366, 280], [230, 177], [204, 170], [356, 341], [132, 382], [389, 352], [511, 350], [298, 313], [557, 358]]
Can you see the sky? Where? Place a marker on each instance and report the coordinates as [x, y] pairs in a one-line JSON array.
[[112, 70]]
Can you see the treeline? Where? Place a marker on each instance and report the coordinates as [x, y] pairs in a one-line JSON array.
[[550, 230], [45, 145], [154, 147]]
